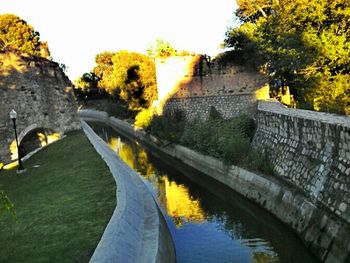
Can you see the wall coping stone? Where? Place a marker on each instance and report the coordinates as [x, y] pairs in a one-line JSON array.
[[324, 117], [214, 96]]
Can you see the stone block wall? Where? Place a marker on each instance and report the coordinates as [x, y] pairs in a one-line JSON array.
[[228, 106], [187, 79], [237, 81], [310, 150]]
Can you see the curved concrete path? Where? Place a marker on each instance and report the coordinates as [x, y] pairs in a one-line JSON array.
[[136, 232]]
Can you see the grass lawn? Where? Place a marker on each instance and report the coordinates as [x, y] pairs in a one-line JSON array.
[[62, 206]]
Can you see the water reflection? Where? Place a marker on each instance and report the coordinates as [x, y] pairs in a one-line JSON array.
[[174, 197], [179, 204], [208, 221]]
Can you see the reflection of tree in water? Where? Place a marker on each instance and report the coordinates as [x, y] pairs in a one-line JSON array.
[[233, 228], [219, 211], [180, 205], [132, 154], [175, 198], [235, 223]]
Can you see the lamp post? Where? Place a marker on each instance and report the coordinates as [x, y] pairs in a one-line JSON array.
[[13, 116]]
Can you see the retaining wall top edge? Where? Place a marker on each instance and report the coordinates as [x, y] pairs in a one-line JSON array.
[[329, 118], [214, 96]]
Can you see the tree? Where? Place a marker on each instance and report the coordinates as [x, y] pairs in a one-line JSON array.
[[18, 35], [104, 71], [303, 44], [134, 77], [128, 76], [161, 49], [87, 81]]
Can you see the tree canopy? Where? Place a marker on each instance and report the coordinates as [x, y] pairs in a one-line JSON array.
[[17, 34], [134, 75], [161, 49], [303, 44], [87, 81], [104, 70], [128, 76]]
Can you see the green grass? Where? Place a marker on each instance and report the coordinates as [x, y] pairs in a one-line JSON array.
[[62, 207]]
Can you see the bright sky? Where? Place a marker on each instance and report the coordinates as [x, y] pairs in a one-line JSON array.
[[78, 30]]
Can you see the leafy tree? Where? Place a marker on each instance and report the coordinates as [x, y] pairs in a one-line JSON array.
[[17, 34], [87, 81], [302, 44], [161, 49], [128, 76], [104, 70], [134, 77]]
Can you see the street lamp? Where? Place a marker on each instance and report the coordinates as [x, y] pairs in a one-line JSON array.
[[13, 116]]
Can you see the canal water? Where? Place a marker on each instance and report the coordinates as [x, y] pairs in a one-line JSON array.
[[208, 221]]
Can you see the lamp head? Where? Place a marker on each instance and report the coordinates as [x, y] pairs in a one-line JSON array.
[[13, 114]]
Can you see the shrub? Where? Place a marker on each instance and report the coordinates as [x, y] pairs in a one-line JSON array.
[[234, 148], [214, 115], [144, 118], [228, 140], [169, 126], [259, 162], [224, 139]]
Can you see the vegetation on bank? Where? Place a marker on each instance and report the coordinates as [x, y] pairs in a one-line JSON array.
[[225, 139], [63, 203]]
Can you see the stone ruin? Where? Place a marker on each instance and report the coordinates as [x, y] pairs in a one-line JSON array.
[[42, 96]]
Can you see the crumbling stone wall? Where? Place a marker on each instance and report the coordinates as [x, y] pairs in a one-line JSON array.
[[194, 83], [206, 78], [41, 94]]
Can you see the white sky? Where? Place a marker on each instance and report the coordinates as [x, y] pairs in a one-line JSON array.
[[78, 30]]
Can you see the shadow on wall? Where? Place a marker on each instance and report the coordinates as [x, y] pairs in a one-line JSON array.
[[173, 74], [197, 78], [194, 84]]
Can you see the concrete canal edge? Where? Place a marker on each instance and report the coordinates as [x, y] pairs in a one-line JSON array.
[[315, 225], [137, 231]]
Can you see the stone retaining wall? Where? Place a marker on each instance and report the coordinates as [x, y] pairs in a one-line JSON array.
[[228, 106], [309, 149]]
